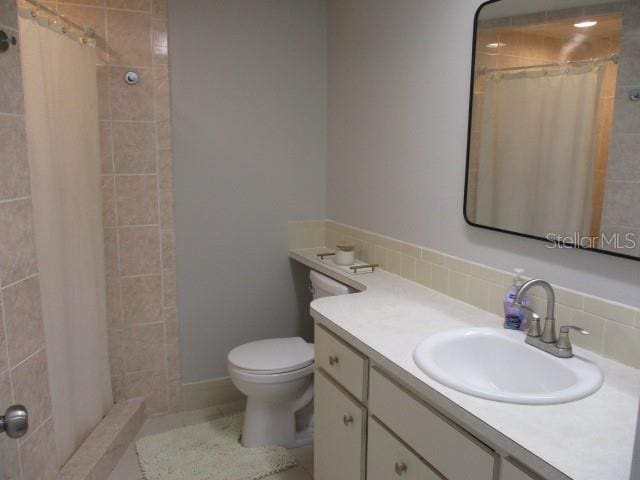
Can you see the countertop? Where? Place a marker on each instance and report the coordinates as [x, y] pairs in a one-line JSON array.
[[588, 439]]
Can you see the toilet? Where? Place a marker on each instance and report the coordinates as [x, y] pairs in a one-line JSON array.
[[276, 375]]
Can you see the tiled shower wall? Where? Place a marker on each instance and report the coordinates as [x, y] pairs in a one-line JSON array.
[[137, 184], [621, 214], [23, 359]]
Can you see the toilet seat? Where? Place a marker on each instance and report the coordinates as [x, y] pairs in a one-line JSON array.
[[273, 356], [253, 377]]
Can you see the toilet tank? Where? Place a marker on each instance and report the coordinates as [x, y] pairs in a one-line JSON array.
[[323, 286]]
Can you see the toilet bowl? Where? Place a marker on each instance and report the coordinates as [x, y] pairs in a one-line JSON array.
[[276, 375]]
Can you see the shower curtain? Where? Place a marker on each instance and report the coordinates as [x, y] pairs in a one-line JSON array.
[[538, 151], [61, 100]]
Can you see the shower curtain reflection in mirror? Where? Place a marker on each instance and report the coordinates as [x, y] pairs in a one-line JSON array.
[[537, 151]]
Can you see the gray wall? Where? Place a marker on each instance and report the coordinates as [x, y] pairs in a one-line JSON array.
[[248, 81], [398, 92]]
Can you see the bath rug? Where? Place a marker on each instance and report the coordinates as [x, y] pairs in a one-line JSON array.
[[208, 451]]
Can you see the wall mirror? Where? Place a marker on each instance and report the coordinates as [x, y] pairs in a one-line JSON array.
[[554, 130]]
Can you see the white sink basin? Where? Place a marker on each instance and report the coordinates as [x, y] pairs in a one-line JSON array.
[[496, 364]]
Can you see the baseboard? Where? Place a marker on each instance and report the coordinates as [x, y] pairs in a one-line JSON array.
[[209, 393]]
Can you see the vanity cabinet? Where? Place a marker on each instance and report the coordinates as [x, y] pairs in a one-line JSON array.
[[340, 412], [368, 426], [340, 424], [404, 438], [509, 471], [388, 457], [343, 363], [437, 440]]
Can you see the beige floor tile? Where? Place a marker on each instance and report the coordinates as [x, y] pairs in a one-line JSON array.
[[304, 455], [128, 467], [161, 424], [193, 417], [295, 473]]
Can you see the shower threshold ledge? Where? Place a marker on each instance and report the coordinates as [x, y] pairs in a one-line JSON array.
[[100, 452]]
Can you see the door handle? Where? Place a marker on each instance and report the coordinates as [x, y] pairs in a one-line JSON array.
[[15, 421]]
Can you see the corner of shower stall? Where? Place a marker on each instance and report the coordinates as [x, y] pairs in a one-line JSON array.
[[89, 433]]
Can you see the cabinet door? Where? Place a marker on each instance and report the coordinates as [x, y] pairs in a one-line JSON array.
[[509, 471], [339, 433], [346, 366], [443, 444], [388, 458]]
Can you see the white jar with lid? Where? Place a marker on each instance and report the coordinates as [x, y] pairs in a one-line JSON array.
[[345, 253]]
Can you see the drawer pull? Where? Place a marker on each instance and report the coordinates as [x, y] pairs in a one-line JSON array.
[[333, 360], [400, 468], [347, 419]]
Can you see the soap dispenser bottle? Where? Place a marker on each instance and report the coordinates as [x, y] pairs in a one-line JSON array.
[[516, 317]]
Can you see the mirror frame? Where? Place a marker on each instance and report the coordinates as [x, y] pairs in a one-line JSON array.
[[562, 244]]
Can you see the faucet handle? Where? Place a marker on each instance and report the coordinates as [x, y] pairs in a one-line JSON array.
[[563, 339], [534, 325]]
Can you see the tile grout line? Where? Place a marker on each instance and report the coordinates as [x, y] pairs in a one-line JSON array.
[[158, 204], [15, 199], [118, 348], [13, 284]]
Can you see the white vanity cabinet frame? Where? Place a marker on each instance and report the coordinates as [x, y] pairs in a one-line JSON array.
[[511, 462]]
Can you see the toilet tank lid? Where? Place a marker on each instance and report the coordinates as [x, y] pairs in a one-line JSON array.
[[274, 355]]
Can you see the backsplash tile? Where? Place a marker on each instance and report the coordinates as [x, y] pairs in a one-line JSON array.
[[614, 327]]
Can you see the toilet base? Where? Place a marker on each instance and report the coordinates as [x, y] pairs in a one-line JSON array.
[[273, 424], [303, 438]]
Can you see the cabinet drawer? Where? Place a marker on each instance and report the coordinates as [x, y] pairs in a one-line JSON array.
[[454, 453], [339, 433], [509, 471], [341, 362], [387, 457]]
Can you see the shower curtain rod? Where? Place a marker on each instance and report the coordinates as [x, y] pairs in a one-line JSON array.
[[611, 58], [87, 30]]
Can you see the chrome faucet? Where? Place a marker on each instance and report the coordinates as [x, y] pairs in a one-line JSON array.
[[547, 340]]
